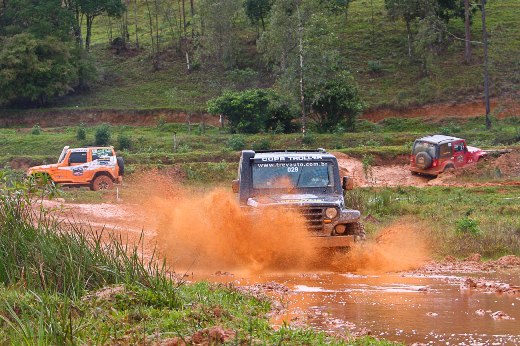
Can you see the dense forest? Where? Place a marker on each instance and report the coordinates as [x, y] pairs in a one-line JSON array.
[[328, 58]]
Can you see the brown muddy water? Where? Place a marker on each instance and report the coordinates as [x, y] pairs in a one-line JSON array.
[[409, 308]]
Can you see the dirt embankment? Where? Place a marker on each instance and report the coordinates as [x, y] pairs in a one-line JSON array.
[[503, 107], [57, 118]]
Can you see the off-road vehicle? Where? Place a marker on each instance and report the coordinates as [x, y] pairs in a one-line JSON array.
[[305, 181], [432, 155], [96, 167]]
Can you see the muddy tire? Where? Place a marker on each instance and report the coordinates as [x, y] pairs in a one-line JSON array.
[[423, 160], [102, 182], [121, 165], [448, 168], [358, 230]]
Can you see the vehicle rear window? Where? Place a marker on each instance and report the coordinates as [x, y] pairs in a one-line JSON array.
[[78, 157], [430, 148], [103, 152]]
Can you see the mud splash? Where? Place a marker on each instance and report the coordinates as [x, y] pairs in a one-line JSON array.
[[211, 232], [400, 246]]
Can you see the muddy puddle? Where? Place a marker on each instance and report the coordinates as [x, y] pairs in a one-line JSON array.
[[407, 308]]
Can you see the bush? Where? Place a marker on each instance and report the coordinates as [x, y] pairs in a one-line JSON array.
[[124, 142], [103, 134], [335, 102], [237, 143], [36, 129], [374, 66], [253, 111], [263, 144], [309, 138], [467, 225], [81, 132]]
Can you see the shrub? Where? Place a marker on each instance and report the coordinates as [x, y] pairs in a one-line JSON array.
[[36, 129], [309, 138], [237, 143], [124, 141], [263, 144], [335, 102], [467, 225], [253, 110], [374, 66], [81, 132], [103, 134]]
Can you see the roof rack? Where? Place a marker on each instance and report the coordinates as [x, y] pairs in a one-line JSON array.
[[319, 150]]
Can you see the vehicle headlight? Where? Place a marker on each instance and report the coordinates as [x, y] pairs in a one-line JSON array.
[[331, 213]]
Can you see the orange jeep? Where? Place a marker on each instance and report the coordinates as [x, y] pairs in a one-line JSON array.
[[97, 167]]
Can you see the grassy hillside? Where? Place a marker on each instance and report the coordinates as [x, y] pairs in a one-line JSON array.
[[128, 82]]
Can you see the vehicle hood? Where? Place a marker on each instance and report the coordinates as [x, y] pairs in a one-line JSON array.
[[42, 167], [473, 149], [295, 199]]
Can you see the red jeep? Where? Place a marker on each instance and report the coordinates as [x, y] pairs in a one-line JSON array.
[[435, 154]]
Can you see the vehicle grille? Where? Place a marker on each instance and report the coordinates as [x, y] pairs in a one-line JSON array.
[[313, 216]]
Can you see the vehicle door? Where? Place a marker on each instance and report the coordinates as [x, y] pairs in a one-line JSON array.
[[74, 167], [459, 153]]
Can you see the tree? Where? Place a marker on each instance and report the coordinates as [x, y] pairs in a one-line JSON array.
[[409, 11], [257, 11], [40, 18], [93, 8], [300, 47], [219, 41], [335, 103], [429, 40], [35, 69], [253, 110]]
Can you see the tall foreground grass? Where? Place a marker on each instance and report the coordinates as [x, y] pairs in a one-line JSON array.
[[42, 253]]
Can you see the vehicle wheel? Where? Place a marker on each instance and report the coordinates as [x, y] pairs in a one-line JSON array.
[[121, 165], [358, 230], [423, 160], [102, 182], [448, 168]]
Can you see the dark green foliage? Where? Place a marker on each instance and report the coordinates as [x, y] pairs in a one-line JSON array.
[[257, 11], [124, 141], [102, 135], [253, 111], [81, 132], [237, 143], [36, 129], [334, 103], [35, 69]]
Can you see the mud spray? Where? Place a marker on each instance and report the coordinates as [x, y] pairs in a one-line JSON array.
[[209, 231]]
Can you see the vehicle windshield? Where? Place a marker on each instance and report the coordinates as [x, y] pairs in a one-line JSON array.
[[430, 148], [283, 175]]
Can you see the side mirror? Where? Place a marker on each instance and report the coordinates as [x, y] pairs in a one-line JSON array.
[[235, 185], [348, 183]]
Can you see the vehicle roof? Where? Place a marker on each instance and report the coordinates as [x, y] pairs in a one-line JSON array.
[[87, 148], [438, 139], [307, 154]]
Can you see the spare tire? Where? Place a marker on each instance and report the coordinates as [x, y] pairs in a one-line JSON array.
[[423, 160], [121, 165]]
